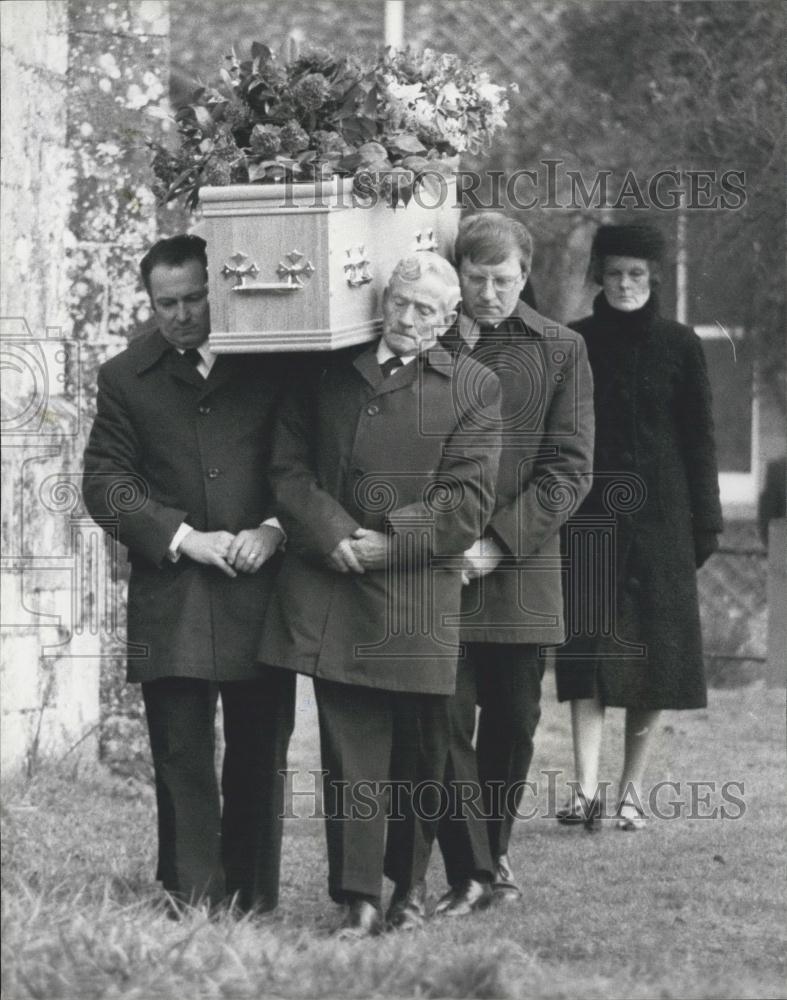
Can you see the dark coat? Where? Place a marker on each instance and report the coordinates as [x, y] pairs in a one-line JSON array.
[[656, 488], [413, 455], [545, 471], [167, 446]]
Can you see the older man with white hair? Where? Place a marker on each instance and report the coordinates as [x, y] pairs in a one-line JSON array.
[[383, 474]]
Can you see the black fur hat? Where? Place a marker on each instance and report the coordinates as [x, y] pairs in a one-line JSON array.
[[634, 239]]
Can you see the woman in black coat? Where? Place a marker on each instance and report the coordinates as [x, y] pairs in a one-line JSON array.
[[651, 519]]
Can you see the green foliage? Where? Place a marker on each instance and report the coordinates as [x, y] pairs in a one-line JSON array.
[[389, 122]]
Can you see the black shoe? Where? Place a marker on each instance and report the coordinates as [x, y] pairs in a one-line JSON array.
[[630, 817], [581, 812], [467, 897], [407, 908], [504, 886], [362, 919]]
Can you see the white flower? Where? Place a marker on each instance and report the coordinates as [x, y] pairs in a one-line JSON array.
[[455, 131], [424, 112], [490, 92], [450, 97], [407, 93], [496, 118]]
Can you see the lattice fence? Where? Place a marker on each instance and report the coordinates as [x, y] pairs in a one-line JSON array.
[[733, 606], [517, 42]]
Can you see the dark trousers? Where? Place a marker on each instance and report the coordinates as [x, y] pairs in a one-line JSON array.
[[206, 851], [504, 680], [382, 751]]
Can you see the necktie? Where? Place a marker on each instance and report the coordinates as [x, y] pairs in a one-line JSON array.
[[390, 366], [491, 329], [193, 356]]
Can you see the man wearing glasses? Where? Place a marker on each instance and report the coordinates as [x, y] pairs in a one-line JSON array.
[[512, 602]]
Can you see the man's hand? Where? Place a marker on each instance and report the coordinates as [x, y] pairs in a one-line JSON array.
[[253, 547], [210, 548], [480, 559], [371, 548], [343, 559]]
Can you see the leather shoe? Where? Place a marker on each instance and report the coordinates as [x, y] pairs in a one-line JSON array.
[[407, 909], [467, 897], [361, 920], [581, 812], [504, 886], [631, 817]]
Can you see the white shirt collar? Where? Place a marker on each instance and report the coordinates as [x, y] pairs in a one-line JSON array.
[[384, 352], [208, 357]]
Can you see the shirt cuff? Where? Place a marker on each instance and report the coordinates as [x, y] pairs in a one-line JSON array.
[[173, 552], [275, 523]]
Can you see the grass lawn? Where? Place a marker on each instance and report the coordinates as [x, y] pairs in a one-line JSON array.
[[690, 907]]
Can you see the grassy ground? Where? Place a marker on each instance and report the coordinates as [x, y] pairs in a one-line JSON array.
[[687, 908]]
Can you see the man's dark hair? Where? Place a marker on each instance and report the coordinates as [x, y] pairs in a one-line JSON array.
[[489, 238], [173, 252]]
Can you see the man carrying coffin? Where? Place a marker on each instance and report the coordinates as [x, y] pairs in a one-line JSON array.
[[383, 474], [512, 605], [175, 469]]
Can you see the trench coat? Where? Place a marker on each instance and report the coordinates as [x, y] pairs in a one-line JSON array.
[[168, 446], [414, 455], [656, 495], [544, 473]]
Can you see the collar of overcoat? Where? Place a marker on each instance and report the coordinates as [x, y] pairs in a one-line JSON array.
[[366, 364], [155, 349], [535, 325]]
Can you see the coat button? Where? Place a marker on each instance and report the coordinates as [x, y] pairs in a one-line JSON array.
[[204, 410], [214, 473], [372, 410]]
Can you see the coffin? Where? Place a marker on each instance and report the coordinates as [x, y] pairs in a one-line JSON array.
[[302, 267]]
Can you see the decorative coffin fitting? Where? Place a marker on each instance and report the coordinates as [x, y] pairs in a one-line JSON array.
[[302, 267]]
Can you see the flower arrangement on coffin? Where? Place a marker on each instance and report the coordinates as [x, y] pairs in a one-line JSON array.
[[389, 123]]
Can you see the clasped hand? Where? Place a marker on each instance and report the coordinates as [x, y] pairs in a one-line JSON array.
[[480, 559], [363, 549], [245, 552]]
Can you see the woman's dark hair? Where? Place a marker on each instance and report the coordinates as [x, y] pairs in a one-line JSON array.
[[636, 239], [172, 252], [490, 238]]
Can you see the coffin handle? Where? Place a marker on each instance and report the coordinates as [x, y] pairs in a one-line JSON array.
[[425, 241], [357, 267], [294, 269]]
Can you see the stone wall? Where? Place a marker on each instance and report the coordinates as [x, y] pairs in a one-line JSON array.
[[79, 79]]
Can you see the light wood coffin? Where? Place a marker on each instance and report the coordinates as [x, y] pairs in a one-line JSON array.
[[302, 268]]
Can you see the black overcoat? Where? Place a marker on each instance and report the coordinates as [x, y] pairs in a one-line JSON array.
[[168, 446], [633, 607], [414, 454], [544, 473]]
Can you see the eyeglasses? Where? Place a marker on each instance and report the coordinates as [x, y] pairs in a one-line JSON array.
[[501, 283]]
